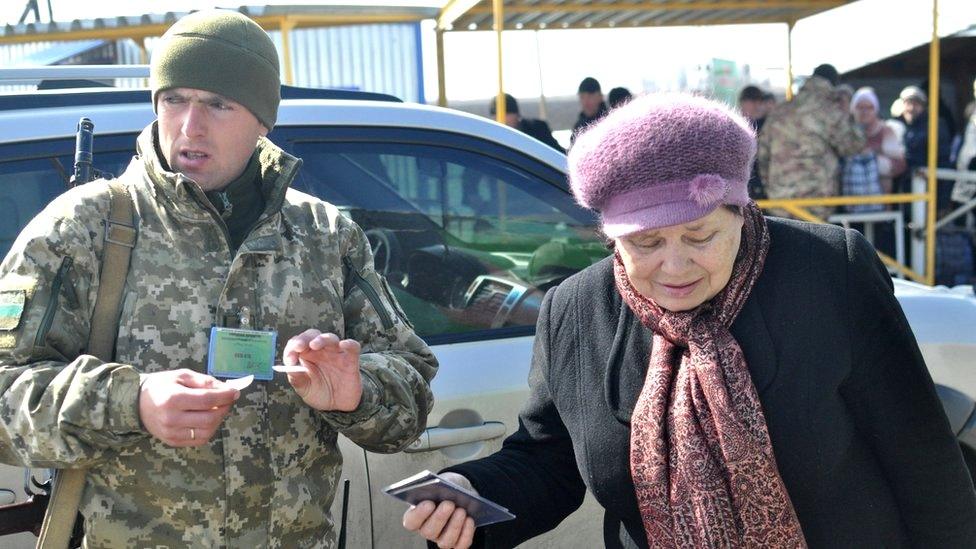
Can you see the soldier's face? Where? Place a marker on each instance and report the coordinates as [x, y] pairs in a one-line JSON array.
[[205, 136], [682, 266]]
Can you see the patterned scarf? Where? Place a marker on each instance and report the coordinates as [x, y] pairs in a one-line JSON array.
[[700, 455]]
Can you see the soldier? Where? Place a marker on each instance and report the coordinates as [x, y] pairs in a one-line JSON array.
[[802, 142], [175, 456]]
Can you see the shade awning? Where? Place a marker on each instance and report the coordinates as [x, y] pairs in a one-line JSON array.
[[472, 15], [271, 17]]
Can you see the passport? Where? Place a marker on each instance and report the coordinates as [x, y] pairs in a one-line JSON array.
[[430, 486]]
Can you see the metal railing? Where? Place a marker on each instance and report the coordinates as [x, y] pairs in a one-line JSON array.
[[924, 192]]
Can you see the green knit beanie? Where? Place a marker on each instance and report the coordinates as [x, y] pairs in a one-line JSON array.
[[222, 52]]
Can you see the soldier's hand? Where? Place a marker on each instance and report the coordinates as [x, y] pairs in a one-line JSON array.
[[333, 381], [444, 524], [184, 408]]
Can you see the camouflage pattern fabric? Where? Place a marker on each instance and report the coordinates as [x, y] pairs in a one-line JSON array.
[[269, 475], [802, 141]]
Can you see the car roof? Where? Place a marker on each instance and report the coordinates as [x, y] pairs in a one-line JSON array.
[[50, 122]]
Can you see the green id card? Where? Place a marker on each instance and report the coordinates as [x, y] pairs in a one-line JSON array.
[[238, 353]]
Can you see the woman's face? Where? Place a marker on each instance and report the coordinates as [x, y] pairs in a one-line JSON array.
[[864, 112], [682, 266]]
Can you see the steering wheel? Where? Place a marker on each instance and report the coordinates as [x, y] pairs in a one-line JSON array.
[[386, 250]]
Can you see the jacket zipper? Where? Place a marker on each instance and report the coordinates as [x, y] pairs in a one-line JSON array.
[[370, 292], [52, 304]]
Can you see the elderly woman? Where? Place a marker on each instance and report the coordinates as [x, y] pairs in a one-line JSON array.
[[882, 142], [723, 380]]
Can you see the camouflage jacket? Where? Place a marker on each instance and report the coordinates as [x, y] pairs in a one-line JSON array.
[[269, 475], [802, 141]]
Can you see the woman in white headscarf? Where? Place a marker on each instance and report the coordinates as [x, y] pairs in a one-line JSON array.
[[881, 139]]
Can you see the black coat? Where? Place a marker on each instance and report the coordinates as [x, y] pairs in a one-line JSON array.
[[539, 130], [583, 121], [860, 437]]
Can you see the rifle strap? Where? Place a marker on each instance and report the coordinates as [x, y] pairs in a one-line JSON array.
[[120, 238]]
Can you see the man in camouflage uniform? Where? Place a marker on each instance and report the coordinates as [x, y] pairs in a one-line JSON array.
[[176, 457], [803, 140]]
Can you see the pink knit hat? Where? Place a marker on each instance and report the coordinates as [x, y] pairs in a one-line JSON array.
[[660, 160]]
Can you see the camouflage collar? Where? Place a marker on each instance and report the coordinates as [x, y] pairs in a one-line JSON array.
[[278, 170], [815, 86]]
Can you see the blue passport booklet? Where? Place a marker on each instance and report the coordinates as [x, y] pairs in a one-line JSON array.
[[431, 486]]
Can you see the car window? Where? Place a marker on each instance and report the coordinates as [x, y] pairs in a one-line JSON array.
[[33, 174], [468, 242]]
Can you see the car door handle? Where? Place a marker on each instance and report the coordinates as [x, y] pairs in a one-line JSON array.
[[436, 438]]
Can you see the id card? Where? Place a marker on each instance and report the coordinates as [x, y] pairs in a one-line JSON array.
[[239, 353]]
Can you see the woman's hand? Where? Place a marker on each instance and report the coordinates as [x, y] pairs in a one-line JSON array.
[[445, 524]]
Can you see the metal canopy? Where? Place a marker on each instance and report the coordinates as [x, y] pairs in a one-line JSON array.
[[501, 15], [276, 17], [473, 15], [283, 18]]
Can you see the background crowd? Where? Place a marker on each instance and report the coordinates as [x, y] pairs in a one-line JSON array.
[[834, 140]]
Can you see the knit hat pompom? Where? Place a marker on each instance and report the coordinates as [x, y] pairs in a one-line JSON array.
[[662, 159]]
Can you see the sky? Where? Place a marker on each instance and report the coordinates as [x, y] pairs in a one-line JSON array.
[[640, 59]]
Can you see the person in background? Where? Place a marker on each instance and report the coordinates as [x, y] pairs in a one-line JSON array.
[[915, 108], [768, 104], [803, 140], [723, 379], [881, 141], [538, 129], [966, 159], [752, 106], [592, 107], [871, 172], [916, 141], [619, 96]]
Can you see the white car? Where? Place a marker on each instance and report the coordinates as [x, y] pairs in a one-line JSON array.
[[470, 221]]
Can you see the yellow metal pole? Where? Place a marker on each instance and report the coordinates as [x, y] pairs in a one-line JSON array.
[[543, 109], [143, 56], [441, 72], [933, 145], [789, 60], [498, 6], [286, 26]]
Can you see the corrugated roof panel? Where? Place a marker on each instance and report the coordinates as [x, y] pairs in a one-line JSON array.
[[627, 13], [151, 24], [53, 53], [375, 58]]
